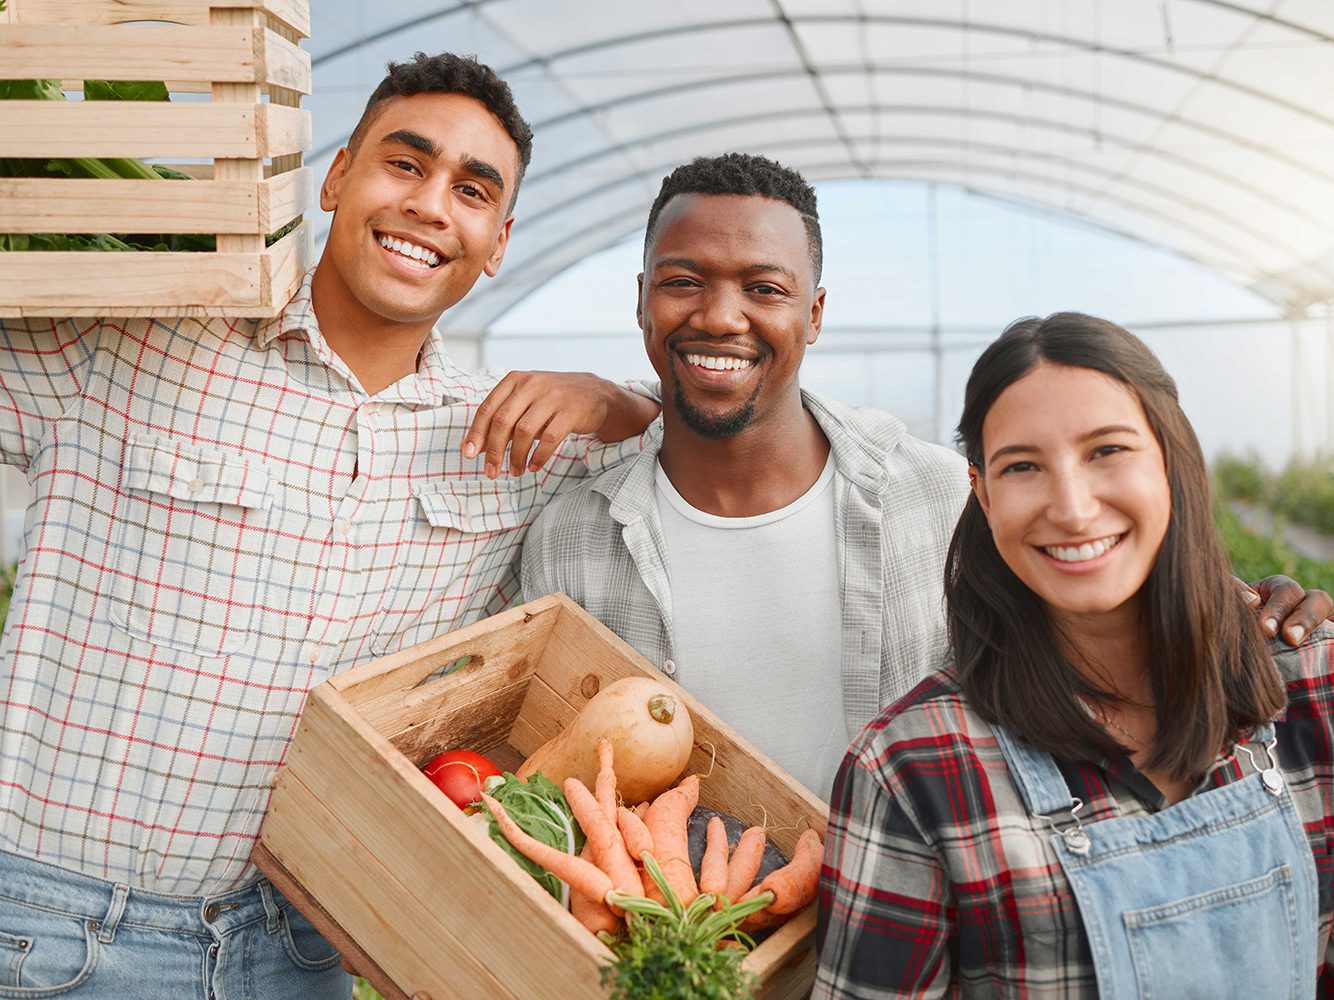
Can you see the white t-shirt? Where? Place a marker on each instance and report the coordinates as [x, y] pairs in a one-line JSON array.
[[756, 624]]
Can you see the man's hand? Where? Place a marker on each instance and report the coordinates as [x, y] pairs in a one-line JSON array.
[[544, 408], [1285, 604]]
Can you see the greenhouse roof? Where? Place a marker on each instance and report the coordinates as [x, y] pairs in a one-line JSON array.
[[1200, 126]]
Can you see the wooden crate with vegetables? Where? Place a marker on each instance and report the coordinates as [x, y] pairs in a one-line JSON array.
[[210, 93], [423, 896]]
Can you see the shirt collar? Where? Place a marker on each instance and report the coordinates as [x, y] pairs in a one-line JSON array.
[[437, 379]]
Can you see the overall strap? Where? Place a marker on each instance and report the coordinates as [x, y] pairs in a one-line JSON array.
[[1035, 772]]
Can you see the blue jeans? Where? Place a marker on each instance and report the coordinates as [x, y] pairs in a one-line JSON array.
[[63, 934]]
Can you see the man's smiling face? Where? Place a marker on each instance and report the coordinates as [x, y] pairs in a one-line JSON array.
[[421, 208], [728, 305]]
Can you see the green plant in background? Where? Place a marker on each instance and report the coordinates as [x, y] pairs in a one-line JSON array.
[[1304, 492], [1240, 479], [7, 574], [1255, 557]]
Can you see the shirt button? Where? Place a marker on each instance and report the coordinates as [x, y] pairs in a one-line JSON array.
[[211, 912], [344, 528], [669, 667], [196, 485]]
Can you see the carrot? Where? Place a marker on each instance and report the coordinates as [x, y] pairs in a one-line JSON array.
[[637, 839], [580, 875], [713, 865], [593, 913], [744, 864], [666, 821], [609, 851], [795, 884], [605, 785], [640, 810]]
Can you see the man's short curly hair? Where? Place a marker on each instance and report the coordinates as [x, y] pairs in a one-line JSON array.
[[448, 73], [744, 174]]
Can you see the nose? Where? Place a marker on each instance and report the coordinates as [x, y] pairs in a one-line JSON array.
[[1072, 503], [429, 202], [721, 313]]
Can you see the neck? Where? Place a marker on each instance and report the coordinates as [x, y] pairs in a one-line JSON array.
[[1110, 650], [763, 468], [377, 350]]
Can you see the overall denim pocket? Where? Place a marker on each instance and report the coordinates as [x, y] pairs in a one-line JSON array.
[[1239, 940]]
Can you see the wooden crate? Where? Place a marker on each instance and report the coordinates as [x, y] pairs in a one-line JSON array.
[[371, 851], [238, 53]]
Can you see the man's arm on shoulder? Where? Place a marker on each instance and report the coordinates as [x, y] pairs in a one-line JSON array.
[[43, 363], [544, 408]]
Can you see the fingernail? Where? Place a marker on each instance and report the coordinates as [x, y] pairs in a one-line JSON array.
[[469, 449], [1271, 625], [1295, 634], [1252, 598], [490, 471]]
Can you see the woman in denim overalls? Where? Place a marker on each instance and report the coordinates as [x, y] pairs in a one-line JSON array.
[[1113, 788]]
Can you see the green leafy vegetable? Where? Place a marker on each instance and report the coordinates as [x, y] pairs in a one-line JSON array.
[[675, 952], [540, 809], [125, 90]]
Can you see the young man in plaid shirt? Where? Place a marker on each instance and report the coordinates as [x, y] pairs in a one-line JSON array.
[[227, 512]]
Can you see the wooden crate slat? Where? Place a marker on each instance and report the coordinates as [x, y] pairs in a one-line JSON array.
[[431, 848], [65, 205], [369, 902], [46, 129], [526, 629], [162, 284], [132, 52], [284, 64], [282, 266], [293, 13], [282, 198]]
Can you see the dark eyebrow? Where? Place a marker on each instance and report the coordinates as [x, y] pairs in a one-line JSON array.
[[1017, 449], [416, 140], [484, 170], [693, 265], [471, 164]]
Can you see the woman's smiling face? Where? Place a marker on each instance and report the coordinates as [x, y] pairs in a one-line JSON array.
[[1075, 488]]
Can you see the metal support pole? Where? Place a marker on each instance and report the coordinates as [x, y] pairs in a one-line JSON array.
[[1295, 403], [940, 421]]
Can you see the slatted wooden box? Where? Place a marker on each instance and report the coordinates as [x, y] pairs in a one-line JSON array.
[[246, 55], [369, 849]]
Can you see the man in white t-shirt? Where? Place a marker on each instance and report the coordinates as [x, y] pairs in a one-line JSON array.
[[779, 554]]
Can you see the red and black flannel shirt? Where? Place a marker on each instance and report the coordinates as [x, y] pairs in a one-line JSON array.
[[938, 882]]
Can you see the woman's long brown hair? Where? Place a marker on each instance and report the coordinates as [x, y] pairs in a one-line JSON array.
[[1210, 668]]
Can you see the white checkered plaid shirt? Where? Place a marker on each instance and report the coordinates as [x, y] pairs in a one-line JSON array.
[[222, 519]]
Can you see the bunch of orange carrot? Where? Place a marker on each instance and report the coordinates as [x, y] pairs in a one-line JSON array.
[[611, 874]]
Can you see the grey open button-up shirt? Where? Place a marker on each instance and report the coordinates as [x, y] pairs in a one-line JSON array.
[[896, 501]]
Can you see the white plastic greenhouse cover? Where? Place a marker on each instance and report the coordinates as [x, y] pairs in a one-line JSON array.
[[1200, 126]]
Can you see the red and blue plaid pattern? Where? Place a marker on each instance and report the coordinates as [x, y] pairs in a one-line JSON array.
[[222, 519], [938, 883]]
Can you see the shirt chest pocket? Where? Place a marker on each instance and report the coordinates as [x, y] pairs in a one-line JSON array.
[[191, 548], [461, 558]]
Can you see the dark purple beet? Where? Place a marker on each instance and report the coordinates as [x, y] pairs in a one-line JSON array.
[[697, 829]]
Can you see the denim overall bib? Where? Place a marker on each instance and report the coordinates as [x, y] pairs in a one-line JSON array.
[[1212, 897]]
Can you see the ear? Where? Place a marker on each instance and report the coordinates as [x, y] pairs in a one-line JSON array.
[[498, 253], [334, 179], [639, 300], [817, 317], [978, 483]]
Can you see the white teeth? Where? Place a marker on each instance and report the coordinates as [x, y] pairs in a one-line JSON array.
[[410, 251], [1083, 552], [714, 363]]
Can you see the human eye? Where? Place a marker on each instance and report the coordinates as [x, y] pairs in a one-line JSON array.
[[1017, 467], [405, 165], [1104, 450], [470, 190], [767, 289], [678, 282]]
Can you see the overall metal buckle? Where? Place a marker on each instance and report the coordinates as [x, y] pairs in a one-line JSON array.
[[1270, 775], [1075, 837]]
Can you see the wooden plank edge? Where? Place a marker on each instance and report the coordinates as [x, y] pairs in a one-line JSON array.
[[333, 932]]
